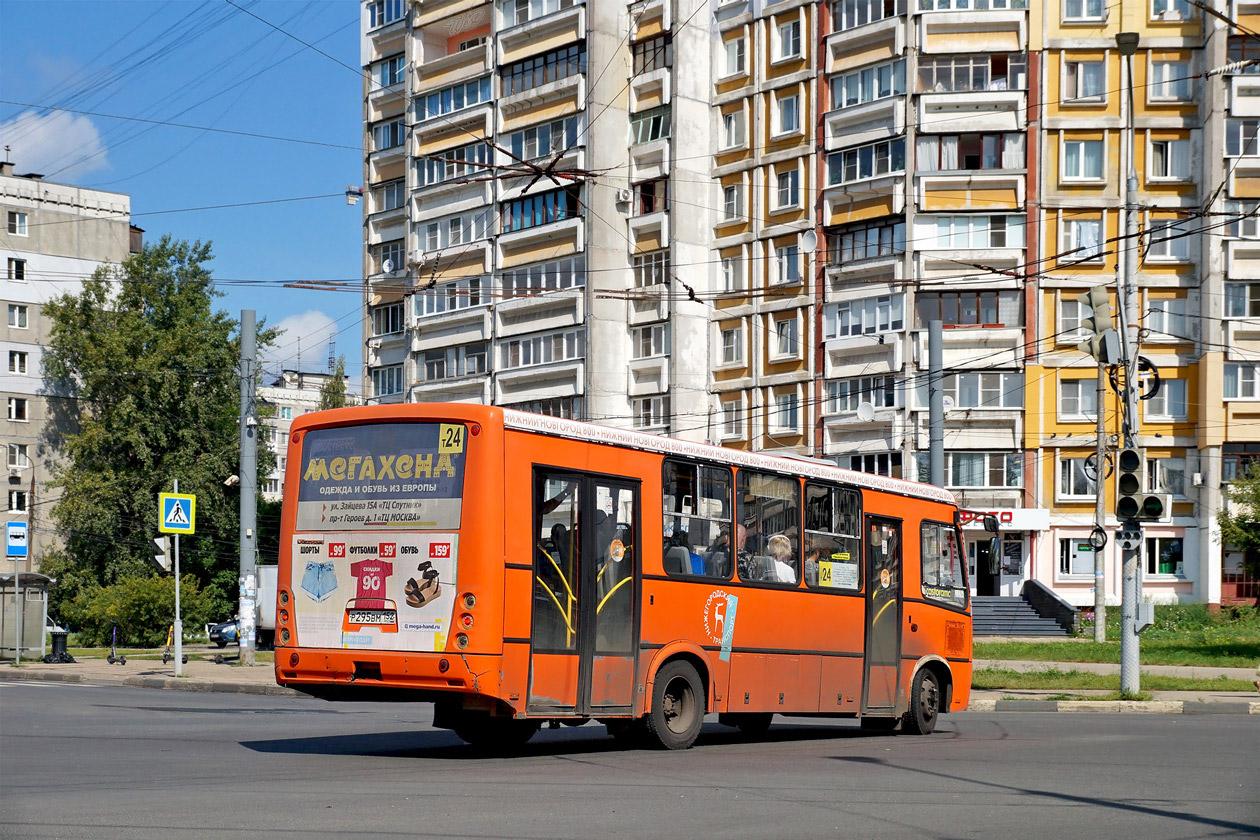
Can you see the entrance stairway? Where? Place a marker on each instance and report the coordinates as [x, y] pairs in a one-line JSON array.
[[997, 615]]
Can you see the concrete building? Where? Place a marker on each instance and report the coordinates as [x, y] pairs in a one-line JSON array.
[[289, 396], [55, 236]]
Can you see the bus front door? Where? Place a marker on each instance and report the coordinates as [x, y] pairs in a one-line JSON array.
[[883, 616], [583, 638]]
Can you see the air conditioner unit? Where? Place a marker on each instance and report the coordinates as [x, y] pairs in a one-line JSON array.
[[14, 472], [416, 257], [625, 196], [374, 343]]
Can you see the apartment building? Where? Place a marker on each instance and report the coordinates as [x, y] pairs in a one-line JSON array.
[[537, 224], [289, 396], [807, 185], [55, 236]]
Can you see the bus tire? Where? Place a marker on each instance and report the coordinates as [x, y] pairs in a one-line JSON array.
[[629, 734], [925, 704], [677, 705], [750, 723], [495, 733], [879, 724]]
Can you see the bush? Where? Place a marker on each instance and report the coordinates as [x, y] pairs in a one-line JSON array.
[[142, 608]]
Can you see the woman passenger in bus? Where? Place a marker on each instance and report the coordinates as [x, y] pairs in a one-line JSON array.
[[781, 567]]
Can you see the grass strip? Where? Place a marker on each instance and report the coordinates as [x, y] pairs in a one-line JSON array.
[[1234, 652], [1053, 678]]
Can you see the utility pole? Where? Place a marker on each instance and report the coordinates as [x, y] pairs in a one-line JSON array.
[[1130, 654], [1100, 511], [936, 403], [178, 630], [248, 610]]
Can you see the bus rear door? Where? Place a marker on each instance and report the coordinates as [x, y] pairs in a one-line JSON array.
[[883, 616]]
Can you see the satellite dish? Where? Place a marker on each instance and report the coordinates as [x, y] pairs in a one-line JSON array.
[[387, 266], [948, 402], [809, 242], [865, 412]]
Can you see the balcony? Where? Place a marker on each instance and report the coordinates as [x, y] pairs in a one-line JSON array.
[[540, 382], [648, 90], [549, 311], [974, 428], [555, 239], [1243, 93], [386, 349], [994, 345], [439, 69], [864, 198], [861, 355], [974, 111], [996, 30], [466, 389], [867, 123], [854, 47], [455, 126], [647, 376], [1242, 259], [548, 32], [649, 160], [652, 307], [380, 98], [451, 328], [979, 189], [652, 227], [844, 435]]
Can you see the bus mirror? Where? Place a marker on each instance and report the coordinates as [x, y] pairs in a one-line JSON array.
[[990, 523], [995, 560]]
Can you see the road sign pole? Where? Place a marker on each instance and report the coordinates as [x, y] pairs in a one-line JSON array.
[[179, 624], [17, 613], [17, 541]]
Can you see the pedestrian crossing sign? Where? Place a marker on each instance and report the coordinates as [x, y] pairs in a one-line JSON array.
[[179, 513]]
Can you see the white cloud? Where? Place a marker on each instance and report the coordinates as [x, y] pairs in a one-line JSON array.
[[58, 144], [303, 342]]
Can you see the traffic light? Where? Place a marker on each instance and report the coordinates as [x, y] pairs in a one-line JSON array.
[[1132, 502], [1101, 339], [163, 558]]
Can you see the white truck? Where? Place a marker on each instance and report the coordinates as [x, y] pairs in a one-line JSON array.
[[267, 576]]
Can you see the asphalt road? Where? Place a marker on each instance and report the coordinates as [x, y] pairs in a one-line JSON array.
[[116, 762]]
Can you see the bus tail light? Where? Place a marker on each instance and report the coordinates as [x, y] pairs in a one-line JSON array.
[[443, 665], [470, 600], [284, 635], [461, 640], [293, 659], [475, 429], [466, 621]]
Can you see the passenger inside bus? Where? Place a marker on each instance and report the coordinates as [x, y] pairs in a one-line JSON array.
[[782, 565]]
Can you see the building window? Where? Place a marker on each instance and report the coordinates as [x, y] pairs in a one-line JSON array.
[[471, 44], [452, 164], [1074, 10], [454, 362], [995, 390], [543, 349], [17, 224], [733, 202], [979, 231], [732, 419], [1170, 402], [1170, 10], [272, 486], [17, 270], [650, 412], [17, 501], [1241, 137], [286, 413], [650, 269], [1166, 318], [1076, 556], [1070, 314], [569, 408], [845, 395], [877, 463], [786, 338], [387, 319], [1164, 556], [978, 469], [1171, 81], [388, 135], [848, 14], [545, 277], [973, 73], [786, 416], [653, 54], [1243, 48], [648, 342], [733, 126], [733, 57], [546, 140], [1075, 480], [18, 316], [868, 316], [455, 98], [790, 40], [1078, 399], [969, 309], [865, 241], [958, 5], [1166, 475], [868, 84], [451, 297], [18, 458], [733, 346], [18, 409], [387, 381], [651, 196], [17, 362], [388, 256], [1082, 160], [1242, 300], [869, 161], [789, 114], [541, 209], [454, 230], [950, 152], [385, 12], [516, 12], [732, 274], [649, 126], [1168, 240], [787, 264], [390, 71], [1082, 240], [389, 196], [1085, 81], [544, 69], [788, 193], [1170, 160]]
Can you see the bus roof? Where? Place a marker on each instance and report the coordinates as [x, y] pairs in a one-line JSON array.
[[523, 421]]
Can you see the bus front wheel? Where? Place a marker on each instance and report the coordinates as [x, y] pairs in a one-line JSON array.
[[677, 705], [925, 704]]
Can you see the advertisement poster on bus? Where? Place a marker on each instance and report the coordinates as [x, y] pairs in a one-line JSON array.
[[374, 591], [382, 476]]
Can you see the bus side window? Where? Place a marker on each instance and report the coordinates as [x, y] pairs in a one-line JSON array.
[[696, 522], [832, 537], [769, 513]]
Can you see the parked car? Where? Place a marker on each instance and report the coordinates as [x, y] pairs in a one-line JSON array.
[[225, 633]]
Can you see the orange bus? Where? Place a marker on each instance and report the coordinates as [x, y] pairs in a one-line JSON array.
[[516, 569]]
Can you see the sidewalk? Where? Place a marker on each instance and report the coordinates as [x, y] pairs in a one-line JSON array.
[[230, 678]]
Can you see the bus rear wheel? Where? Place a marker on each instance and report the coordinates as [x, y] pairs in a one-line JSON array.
[[495, 733], [925, 704], [677, 705], [879, 724], [750, 723]]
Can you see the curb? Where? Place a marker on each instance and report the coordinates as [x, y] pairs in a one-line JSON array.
[[168, 684], [1149, 707]]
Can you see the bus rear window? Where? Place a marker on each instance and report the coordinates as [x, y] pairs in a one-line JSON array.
[[382, 476]]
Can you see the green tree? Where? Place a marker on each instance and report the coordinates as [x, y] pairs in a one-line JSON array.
[[333, 394], [150, 372], [1240, 521]]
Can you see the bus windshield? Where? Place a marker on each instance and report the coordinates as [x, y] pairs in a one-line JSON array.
[[382, 476]]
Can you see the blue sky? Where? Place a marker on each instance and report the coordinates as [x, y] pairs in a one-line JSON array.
[[208, 64]]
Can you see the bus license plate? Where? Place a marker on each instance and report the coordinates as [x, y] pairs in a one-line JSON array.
[[373, 617]]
